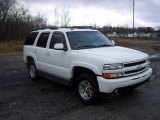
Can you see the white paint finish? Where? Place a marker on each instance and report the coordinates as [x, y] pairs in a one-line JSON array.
[[41, 55], [91, 62], [64, 30], [109, 85], [57, 63], [115, 54], [59, 46], [29, 51], [61, 63]]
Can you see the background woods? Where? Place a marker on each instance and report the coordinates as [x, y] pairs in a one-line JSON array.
[[16, 20]]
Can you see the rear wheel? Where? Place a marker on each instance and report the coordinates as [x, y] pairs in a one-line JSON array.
[[32, 70], [87, 88]]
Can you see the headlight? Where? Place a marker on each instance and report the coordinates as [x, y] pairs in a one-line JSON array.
[[113, 66]]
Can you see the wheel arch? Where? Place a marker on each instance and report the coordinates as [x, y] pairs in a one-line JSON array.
[[30, 57], [77, 70]]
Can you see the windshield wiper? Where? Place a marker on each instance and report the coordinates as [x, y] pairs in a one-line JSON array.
[[104, 45], [86, 46]]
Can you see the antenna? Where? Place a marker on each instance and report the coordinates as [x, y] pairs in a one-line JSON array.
[[133, 16]]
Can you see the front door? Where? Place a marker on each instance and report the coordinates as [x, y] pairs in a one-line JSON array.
[[58, 60]]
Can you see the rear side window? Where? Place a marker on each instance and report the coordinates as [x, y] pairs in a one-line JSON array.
[[42, 41], [31, 38]]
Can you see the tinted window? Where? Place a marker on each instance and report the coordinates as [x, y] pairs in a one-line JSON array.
[[87, 39], [57, 38], [31, 38], [42, 41]]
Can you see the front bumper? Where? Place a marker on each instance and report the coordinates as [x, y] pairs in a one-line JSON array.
[[109, 85]]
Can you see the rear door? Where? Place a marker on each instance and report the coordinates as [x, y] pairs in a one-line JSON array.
[[41, 51]]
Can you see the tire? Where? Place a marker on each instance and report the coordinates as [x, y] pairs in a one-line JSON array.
[[32, 70], [87, 88]]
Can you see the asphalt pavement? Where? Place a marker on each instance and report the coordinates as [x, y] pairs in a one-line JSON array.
[[23, 99]]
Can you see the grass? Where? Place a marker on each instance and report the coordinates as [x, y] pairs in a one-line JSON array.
[[136, 38], [14, 47]]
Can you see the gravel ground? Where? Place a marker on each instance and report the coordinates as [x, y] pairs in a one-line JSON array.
[[23, 99]]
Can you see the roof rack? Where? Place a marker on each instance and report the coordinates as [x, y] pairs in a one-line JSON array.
[[72, 28], [79, 27], [52, 28]]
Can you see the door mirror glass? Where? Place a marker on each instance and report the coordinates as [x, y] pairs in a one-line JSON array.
[[59, 46]]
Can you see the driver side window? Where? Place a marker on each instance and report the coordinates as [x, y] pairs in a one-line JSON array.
[[57, 38]]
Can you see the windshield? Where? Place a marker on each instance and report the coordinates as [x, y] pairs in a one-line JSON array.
[[87, 39]]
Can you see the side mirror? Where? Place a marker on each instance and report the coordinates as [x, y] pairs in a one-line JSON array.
[[59, 46], [113, 42]]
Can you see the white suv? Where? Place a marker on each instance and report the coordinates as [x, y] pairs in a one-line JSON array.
[[86, 59]]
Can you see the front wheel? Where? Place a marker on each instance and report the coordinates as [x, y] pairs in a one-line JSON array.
[[87, 88]]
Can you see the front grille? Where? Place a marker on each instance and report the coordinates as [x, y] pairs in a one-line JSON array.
[[134, 64], [135, 71], [136, 67]]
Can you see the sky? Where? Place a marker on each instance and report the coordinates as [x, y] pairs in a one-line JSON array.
[[99, 12]]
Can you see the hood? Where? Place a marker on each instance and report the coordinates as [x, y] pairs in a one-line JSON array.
[[115, 54]]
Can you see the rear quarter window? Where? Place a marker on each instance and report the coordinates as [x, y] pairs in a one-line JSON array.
[[31, 38]]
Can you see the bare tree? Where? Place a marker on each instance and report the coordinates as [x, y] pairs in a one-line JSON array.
[[16, 20], [62, 17], [56, 15], [39, 21], [5, 5], [17, 11], [65, 16]]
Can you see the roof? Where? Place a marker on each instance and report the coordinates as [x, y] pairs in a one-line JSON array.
[[62, 30]]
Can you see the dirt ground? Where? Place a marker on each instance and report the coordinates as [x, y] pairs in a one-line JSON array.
[[23, 99]]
